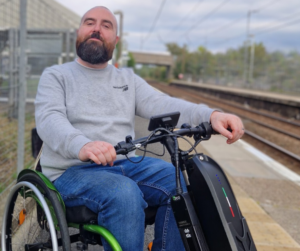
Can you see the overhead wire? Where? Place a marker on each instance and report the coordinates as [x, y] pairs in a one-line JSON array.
[[194, 8], [160, 38], [206, 17], [266, 5], [281, 19], [277, 27], [263, 32], [154, 23], [235, 21], [238, 19], [219, 41], [238, 36]]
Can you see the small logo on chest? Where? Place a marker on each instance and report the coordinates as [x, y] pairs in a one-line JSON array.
[[124, 87]]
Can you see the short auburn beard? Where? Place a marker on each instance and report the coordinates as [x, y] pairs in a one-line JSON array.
[[93, 52]]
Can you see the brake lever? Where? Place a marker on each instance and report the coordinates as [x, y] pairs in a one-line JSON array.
[[125, 147]]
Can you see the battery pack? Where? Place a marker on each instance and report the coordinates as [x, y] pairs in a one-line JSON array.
[[222, 222]]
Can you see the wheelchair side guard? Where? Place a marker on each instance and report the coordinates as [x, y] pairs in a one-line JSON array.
[[48, 183], [105, 234], [112, 241]]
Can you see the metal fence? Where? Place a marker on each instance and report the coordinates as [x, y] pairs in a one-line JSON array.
[[34, 34], [264, 70]]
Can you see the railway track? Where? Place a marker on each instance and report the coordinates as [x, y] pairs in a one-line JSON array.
[[276, 136]]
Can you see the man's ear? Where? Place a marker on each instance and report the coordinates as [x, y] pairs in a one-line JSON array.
[[117, 40]]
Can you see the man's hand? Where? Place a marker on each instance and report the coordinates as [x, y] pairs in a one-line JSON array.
[[221, 121], [98, 151]]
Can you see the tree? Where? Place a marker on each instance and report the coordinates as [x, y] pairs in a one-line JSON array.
[[131, 61]]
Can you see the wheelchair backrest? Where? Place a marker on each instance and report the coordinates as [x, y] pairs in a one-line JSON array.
[[36, 146]]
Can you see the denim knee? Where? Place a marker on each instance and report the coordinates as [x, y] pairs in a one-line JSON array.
[[125, 202]]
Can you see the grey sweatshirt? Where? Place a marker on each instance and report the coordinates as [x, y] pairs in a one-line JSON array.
[[76, 105]]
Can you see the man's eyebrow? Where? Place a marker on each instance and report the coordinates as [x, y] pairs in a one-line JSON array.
[[89, 19], [93, 19], [108, 21]]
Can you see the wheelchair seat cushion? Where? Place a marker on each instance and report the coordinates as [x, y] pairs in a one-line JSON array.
[[83, 215]]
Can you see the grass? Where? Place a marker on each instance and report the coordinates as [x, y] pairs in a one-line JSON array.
[[8, 148]]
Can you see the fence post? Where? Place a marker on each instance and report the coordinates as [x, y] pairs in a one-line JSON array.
[[74, 36], [22, 85], [68, 45], [11, 70], [13, 58]]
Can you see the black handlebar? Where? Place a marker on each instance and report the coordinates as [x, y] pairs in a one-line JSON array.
[[168, 138], [201, 132]]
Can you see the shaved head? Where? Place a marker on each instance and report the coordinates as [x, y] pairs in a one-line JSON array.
[[100, 7], [97, 36]]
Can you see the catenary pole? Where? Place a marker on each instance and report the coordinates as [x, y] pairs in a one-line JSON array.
[[251, 67], [246, 44]]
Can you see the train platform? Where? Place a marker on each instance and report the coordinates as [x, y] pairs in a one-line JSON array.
[[291, 100], [267, 192]]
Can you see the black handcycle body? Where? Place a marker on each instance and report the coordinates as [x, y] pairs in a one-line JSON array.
[[207, 215]]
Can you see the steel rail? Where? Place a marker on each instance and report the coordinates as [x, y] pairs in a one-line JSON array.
[[255, 112], [248, 110], [269, 143], [272, 127]]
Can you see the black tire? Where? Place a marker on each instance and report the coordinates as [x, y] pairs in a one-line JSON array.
[[35, 233]]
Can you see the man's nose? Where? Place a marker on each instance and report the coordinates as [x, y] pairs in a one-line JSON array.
[[97, 28]]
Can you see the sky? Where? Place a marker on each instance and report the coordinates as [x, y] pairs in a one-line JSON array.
[[218, 25]]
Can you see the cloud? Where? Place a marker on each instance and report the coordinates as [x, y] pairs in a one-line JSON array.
[[193, 22]]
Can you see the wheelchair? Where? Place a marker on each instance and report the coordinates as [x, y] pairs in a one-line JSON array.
[[36, 217], [207, 215]]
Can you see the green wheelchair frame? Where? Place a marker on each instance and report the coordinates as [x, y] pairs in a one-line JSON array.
[[37, 192], [52, 216]]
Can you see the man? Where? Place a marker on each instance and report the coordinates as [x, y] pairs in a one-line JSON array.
[[85, 107]]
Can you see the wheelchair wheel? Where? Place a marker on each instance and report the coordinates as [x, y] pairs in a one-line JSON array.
[[34, 219]]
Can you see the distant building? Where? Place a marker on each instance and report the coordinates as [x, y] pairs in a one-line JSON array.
[[47, 14], [51, 35]]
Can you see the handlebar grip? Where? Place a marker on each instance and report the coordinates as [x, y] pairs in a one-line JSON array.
[[124, 148], [216, 133], [118, 150], [121, 151]]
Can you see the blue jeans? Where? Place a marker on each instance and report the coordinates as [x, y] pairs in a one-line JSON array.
[[119, 194]]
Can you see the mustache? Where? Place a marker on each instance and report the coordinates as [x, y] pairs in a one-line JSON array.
[[96, 35]]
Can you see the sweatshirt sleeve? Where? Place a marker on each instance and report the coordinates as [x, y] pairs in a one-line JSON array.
[[52, 122], [150, 102]]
